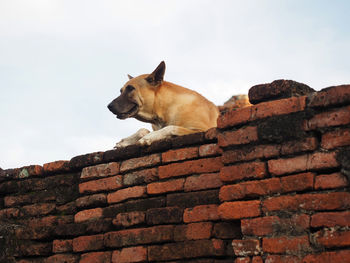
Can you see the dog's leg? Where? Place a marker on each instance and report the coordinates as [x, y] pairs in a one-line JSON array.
[[132, 139], [166, 132]]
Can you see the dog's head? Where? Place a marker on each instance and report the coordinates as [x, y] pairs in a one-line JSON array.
[[137, 95]]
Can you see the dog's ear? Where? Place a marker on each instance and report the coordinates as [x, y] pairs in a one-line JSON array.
[[130, 77], [156, 77]]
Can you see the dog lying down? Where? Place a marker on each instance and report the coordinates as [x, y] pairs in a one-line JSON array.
[[171, 109]]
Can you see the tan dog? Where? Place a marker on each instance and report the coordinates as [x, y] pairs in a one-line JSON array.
[[171, 109]]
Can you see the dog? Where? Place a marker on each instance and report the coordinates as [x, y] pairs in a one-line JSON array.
[[171, 109]]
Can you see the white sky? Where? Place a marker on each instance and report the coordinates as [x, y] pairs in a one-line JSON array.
[[63, 61]]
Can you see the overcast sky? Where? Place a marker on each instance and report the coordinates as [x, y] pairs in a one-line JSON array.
[[63, 61]]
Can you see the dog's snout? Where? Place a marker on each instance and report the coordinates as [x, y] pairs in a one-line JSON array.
[[109, 106]]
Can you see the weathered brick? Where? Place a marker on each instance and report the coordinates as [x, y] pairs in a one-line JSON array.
[[246, 247], [201, 213], [144, 204], [191, 199], [242, 260], [42, 232], [298, 182], [101, 170], [328, 257], [141, 177], [135, 163], [330, 96], [126, 193], [331, 219], [57, 166], [62, 246], [138, 236], [187, 249], [308, 202], [269, 225], [250, 189], [9, 213], [91, 200], [106, 184], [130, 254], [190, 167], [38, 209], [336, 138], [164, 215], [70, 230], [330, 181], [241, 136], [238, 210], [193, 231], [30, 248], [335, 117], [165, 187], [315, 161], [130, 218], [209, 150], [91, 257], [232, 117], [66, 258], [332, 238], [297, 146], [242, 171], [90, 214], [180, 154], [202, 182], [88, 243], [283, 259], [227, 230], [286, 245]]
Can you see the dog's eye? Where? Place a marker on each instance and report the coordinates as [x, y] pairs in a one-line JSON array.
[[129, 88]]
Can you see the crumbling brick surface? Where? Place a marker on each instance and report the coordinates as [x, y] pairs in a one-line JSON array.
[[270, 184]]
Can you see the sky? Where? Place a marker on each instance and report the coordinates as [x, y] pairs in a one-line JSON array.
[[63, 61]]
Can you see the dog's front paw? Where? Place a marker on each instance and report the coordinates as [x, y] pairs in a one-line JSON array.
[[121, 144], [145, 141]]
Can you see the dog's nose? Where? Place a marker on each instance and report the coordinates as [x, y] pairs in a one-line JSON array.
[[109, 106]]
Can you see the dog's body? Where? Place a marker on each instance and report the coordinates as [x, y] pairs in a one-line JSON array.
[[171, 109]]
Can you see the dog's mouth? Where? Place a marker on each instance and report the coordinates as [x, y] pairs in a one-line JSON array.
[[130, 113]]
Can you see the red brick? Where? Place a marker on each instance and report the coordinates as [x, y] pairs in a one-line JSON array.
[[257, 259], [91, 200], [330, 181], [57, 166], [92, 257], [238, 210], [282, 259], [209, 150], [328, 257], [193, 231], [233, 117], [28, 171], [90, 214], [269, 225], [286, 245], [38, 209], [331, 219], [336, 138], [330, 96], [9, 213], [61, 246], [180, 154], [332, 238], [242, 171], [201, 213], [227, 230], [303, 145], [308, 202], [203, 181], [301, 163], [16, 200], [298, 182], [101, 170], [278, 107], [49, 221], [250, 189], [190, 167], [130, 219], [241, 136], [106, 184], [126, 193], [164, 215], [130, 237], [145, 161], [130, 254], [187, 249], [141, 177], [166, 187], [242, 260], [246, 247], [336, 117], [88, 243], [66, 258]]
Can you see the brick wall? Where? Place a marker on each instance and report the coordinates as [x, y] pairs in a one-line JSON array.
[[270, 184]]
